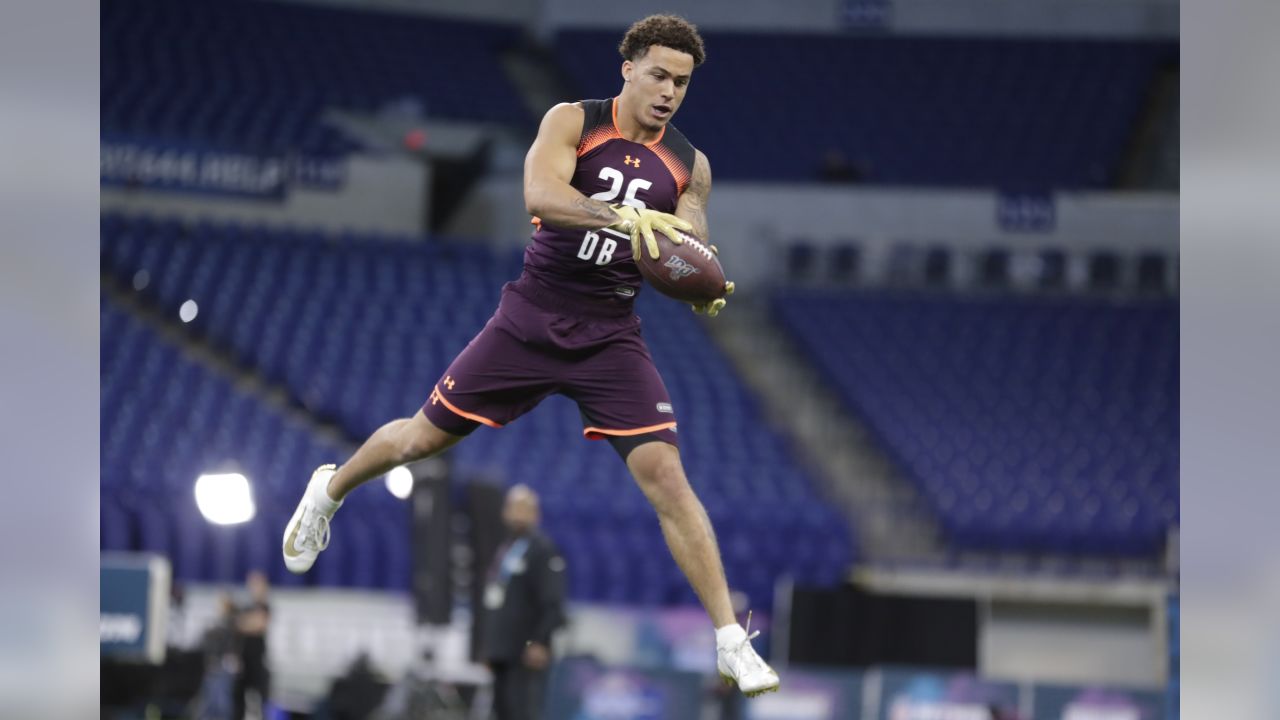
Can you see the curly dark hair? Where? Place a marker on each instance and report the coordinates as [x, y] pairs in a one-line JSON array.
[[670, 31]]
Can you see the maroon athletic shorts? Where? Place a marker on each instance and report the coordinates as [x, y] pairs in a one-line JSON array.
[[541, 342]]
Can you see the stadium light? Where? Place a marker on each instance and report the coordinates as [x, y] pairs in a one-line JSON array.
[[188, 311], [400, 482], [225, 498]]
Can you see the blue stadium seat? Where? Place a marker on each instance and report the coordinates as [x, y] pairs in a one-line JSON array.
[[291, 62], [944, 111], [1040, 424], [283, 308], [166, 420]]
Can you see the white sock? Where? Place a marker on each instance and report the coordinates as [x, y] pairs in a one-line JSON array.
[[327, 505], [730, 635]]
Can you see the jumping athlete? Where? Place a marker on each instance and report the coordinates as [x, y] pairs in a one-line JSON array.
[[599, 179]]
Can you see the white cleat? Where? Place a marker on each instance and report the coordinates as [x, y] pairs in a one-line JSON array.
[[308, 530], [740, 665]]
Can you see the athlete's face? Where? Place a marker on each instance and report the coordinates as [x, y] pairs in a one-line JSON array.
[[657, 83]]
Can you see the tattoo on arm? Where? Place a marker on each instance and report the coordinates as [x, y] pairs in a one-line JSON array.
[[597, 209], [696, 196]]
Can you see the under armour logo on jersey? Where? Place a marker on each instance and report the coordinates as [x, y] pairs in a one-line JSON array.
[[680, 267], [448, 381], [632, 163]]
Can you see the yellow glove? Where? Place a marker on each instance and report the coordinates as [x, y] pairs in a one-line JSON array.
[[714, 307], [641, 222]]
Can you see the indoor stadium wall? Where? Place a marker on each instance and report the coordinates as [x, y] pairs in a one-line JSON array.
[[1132, 18], [758, 223], [377, 193]]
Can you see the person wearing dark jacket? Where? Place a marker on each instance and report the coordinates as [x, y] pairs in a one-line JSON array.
[[252, 623], [523, 606]]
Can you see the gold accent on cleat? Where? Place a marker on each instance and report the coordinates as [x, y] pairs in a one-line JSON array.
[[754, 693], [289, 549], [762, 691]]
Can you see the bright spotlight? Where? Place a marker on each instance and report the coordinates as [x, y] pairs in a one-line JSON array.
[[224, 499], [400, 482], [188, 311]]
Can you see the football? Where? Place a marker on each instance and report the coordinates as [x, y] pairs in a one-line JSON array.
[[688, 272]]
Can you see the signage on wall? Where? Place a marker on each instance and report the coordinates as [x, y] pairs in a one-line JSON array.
[[1026, 212], [134, 606], [140, 164], [910, 695], [866, 14]]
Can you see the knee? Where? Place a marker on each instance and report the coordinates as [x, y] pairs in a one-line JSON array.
[[664, 483], [415, 442]]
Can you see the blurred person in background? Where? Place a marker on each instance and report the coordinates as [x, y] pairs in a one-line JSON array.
[[836, 168], [599, 172], [523, 605], [221, 647], [252, 623]]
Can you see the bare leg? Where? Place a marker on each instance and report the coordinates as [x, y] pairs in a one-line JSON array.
[[394, 444], [656, 467]]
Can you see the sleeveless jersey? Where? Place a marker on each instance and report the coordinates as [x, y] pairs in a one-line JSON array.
[[597, 264]]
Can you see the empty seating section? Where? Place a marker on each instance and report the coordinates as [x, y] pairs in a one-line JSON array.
[[244, 75], [359, 330], [1046, 425], [1009, 113], [166, 420]]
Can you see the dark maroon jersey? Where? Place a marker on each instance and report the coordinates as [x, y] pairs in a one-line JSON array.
[[597, 264]]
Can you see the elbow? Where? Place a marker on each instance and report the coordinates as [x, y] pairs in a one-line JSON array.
[[532, 203]]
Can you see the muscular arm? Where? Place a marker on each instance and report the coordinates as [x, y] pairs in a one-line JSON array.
[[548, 168], [693, 209], [693, 202]]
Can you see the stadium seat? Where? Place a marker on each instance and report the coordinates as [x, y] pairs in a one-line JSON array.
[[165, 421], [281, 308], [1153, 274], [292, 63], [993, 268], [1041, 424], [845, 263], [1104, 271], [1008, 113]]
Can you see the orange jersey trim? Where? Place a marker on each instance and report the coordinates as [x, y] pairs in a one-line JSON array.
[[437, 395], [678, 171], [595, 433], [597, 136], [601, 134], [649, 145]]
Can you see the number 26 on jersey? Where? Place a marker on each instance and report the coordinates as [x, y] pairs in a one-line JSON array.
[[591, 241]]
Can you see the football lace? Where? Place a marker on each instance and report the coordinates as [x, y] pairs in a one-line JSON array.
[[706, 251]]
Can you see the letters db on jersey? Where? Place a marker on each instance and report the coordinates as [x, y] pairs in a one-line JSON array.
[[597, 264]]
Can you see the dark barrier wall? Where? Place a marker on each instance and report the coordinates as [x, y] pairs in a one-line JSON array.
[[846, 626], [432, 535], [484, 498]]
